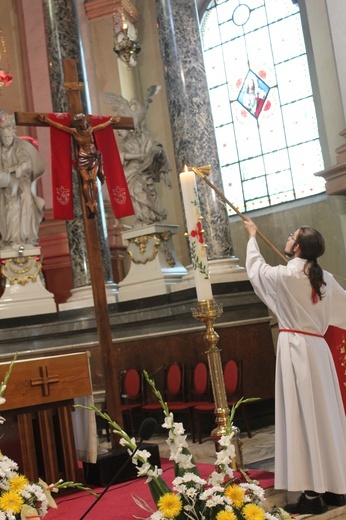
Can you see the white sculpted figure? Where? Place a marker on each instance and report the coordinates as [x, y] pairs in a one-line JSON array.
[[144, 159], [21, 210]]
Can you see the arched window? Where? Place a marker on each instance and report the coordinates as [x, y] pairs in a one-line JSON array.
[[262, 102]]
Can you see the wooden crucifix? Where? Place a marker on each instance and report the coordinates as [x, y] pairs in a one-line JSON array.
[[113, 399]]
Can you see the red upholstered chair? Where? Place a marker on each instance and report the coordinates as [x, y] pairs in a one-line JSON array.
[[232, 373], [202, 393], [131, 394], [174, 395], [200, 385]]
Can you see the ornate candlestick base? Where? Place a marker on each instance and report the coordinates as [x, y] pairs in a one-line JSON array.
[[207, 311]]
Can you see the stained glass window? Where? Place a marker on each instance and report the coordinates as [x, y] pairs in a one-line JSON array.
[[262, 102]]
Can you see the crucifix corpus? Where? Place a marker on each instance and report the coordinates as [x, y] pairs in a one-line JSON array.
[[89, 170], [89, 159]]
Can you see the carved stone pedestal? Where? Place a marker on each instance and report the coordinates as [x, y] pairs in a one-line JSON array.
[[82, 297], [154, 265], [24, 294]]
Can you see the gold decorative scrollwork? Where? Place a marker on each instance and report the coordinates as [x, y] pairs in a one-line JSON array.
[[17, 269], [142, 243], [166, 236]]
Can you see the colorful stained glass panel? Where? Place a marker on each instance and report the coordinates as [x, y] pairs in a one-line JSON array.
[[276, 150]]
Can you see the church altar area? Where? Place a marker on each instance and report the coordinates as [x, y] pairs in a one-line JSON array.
[[151, 332]]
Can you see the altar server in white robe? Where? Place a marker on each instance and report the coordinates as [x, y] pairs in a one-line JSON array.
[[310, 424]]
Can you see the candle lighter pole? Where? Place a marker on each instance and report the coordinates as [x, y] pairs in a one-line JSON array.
[[202, 172]]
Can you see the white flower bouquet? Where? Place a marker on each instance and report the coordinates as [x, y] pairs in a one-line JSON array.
[[221, 497]]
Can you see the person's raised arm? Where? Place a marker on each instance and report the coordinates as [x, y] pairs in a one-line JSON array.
[[250, 227]]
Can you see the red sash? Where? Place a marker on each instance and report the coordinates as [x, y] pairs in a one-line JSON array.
[[301, 332]]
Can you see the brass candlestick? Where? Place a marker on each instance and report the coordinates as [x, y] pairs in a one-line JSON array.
[[208, 311]]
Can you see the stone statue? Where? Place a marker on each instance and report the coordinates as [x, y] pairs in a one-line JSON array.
[[144, 159], [21, 210]]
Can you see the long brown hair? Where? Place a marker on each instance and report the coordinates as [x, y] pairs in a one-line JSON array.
[[312, 246]]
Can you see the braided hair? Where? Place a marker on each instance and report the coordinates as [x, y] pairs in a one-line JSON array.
[[312, 246]]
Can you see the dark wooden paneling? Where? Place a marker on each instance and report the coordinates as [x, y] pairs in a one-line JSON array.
[[252, 343]]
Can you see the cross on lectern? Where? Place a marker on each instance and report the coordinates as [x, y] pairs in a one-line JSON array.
[[73, 88], [45, 380]]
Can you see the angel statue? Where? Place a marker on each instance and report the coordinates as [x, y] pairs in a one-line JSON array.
[[21, 210], [144, 159]]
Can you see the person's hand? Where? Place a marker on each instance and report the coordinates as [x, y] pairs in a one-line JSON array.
[[250, 227]]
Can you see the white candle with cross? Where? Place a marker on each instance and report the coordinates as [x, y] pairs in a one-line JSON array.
[[196, 235]]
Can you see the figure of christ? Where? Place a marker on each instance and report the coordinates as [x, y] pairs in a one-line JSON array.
[[89, 159]]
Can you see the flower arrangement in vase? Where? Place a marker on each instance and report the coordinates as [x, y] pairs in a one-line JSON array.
[[220, 497]]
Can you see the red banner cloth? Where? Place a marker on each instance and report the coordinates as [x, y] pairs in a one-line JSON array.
[[336, 339], [61, 168], [115, 178]]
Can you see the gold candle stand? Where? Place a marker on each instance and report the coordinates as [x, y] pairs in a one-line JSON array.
[[208, 311]]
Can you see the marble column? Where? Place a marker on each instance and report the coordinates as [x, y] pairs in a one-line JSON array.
[[64, 42], [190, 114]]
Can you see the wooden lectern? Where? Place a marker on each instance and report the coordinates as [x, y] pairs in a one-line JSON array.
[[39, 399]]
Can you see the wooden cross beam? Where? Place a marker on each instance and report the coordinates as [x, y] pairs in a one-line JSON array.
[[30, 119], [108, 354]]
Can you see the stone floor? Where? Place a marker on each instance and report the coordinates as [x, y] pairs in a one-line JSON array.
[[258, 453]]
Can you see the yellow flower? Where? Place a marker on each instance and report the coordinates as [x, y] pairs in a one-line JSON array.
[[18, 482], [170, 505], [253, 512], [11, 500], [226, 515], [236, 494]]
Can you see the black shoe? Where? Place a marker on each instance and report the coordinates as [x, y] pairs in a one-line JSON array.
[[308, 506], [332, 499]]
